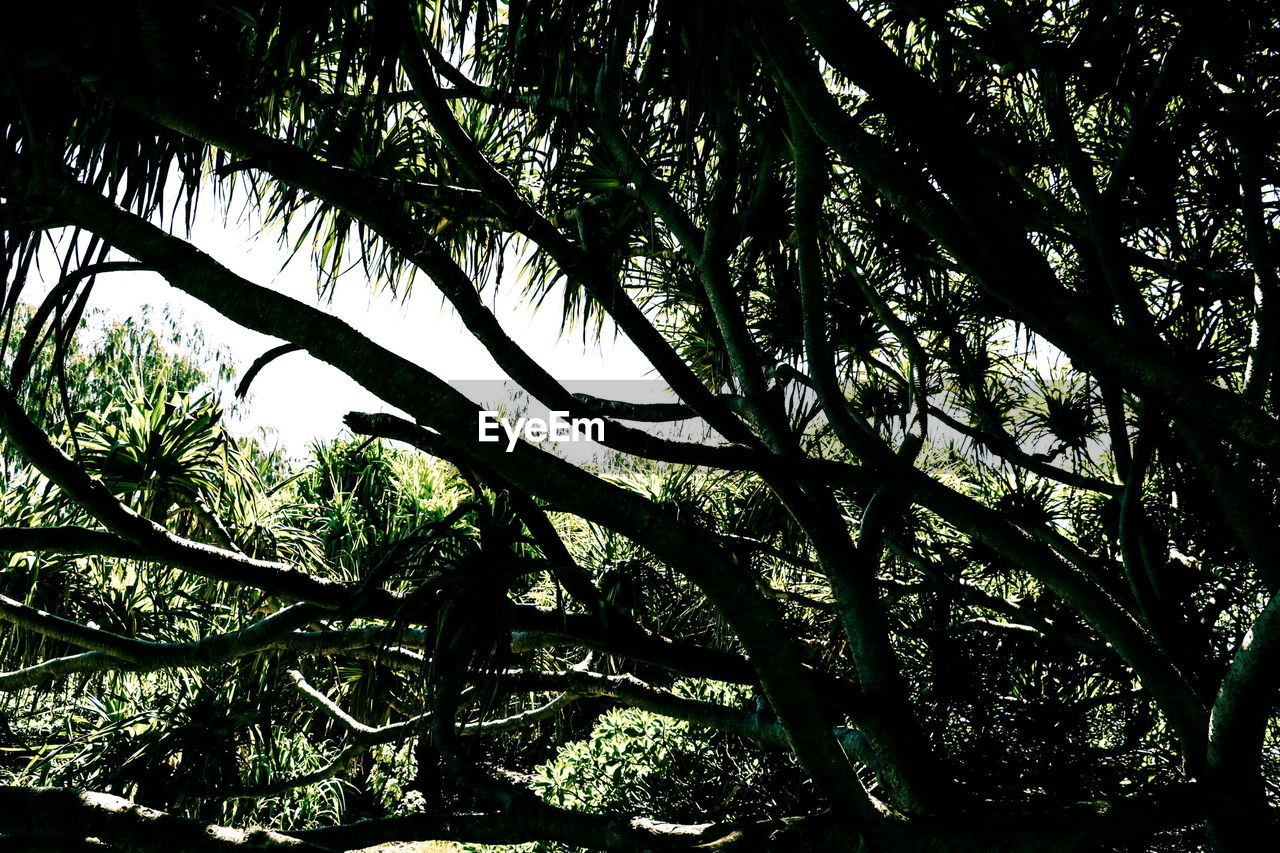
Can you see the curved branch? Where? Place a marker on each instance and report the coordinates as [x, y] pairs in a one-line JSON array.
[[433, 402], [153, 540], [114, 653], [73, 815], [1244, 706], [1004, 446], [990, 245]]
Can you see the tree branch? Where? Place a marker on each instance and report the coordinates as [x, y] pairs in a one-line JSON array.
[[73, 815]]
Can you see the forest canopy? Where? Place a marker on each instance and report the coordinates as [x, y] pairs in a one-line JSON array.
[[978, 301]]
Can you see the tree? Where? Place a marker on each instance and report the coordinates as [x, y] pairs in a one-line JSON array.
[[978, 298]]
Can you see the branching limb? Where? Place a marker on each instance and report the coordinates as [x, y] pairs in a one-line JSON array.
[[1242, 710], [157, 543], [997, 255], [1004, 446], [575, 261], [72, 815], [635, 693], [543, 629], [114, 653], [426, 397], [852, 568]]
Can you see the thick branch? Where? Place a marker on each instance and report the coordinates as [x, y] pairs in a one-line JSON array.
[[72, 815], [158, 543], [114, 653], [1244, 706]]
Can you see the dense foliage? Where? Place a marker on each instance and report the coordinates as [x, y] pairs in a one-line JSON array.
[[979, 299]]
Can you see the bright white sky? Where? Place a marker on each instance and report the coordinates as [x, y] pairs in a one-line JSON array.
[[301, 398]]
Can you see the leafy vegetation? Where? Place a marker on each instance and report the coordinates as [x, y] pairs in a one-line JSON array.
[[978, 300]]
